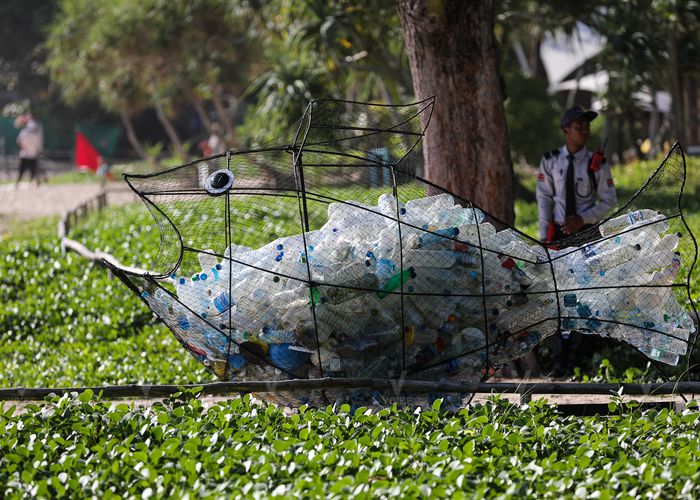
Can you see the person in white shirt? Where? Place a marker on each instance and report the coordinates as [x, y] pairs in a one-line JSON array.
[[31, 142], [575, 188], [216, 142]]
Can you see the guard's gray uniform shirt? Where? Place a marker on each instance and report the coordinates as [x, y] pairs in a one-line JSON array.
[[591, 205]]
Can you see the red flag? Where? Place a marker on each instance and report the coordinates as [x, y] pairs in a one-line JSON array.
[[86, 156]]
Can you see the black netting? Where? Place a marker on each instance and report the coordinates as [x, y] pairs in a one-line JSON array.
[[368, 271]]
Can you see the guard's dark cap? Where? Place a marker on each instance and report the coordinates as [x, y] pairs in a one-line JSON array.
[[575, 113]]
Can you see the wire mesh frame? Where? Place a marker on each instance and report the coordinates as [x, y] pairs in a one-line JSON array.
[[300, 145]]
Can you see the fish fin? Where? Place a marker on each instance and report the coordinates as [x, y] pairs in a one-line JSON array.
[[358, 130]]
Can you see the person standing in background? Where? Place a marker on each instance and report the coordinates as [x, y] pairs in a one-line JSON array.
[[216, 142], [575, 189], [215, 145], [31, 143]]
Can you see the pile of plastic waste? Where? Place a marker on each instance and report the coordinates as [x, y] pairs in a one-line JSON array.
[[426, 288]]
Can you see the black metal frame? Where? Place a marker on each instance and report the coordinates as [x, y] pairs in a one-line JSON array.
[[303, 143]]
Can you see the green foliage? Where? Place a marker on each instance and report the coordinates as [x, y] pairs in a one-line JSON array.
[[74, 177], [80, 446], [318, 49], [607, 373], [64, 322], [533, 120]]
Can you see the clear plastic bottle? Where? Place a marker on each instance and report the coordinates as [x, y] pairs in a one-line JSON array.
[[612, 258], [457, 216], [273, 336], [624, 221], [471, 233], [388, 207], [351, 289], [207, 260], [430, 203], [439, 237], [441, 259]]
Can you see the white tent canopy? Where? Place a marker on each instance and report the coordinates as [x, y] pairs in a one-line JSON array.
[[562, 54]]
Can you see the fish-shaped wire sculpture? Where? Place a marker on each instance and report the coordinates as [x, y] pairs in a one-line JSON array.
[[397, 279]]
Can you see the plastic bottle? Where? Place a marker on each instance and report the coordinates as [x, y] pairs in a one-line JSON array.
[[386, 245], [273, 336], [498, 242], [384, 269], [207, 260], [436, 259], [440, 236], [457, 216], [388, 207], [351, 289], [343, 272], [665, 357], [160, 302], [624, 221], [601, 263], [287, 359], [395, 281], [471, 259], [430, 203]]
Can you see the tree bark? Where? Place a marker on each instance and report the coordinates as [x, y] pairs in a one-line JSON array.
[[201, 112], [676, 84], [453, 55], [130, 133], [170, 130], [226, 123]]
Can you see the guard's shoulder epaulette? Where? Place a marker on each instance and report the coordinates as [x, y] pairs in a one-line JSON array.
[[549, 154]]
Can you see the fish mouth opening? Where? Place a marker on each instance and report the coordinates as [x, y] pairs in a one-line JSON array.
[[170, 251]]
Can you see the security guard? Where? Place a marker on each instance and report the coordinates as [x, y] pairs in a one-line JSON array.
[[574, 187], [574, 191]]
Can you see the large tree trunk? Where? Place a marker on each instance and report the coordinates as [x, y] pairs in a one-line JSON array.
[[453, 55], [130, 133]]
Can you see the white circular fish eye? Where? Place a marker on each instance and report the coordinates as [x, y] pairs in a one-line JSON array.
[[219, 182]]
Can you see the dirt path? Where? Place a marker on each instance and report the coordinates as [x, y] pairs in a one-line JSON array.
[[30, 202]]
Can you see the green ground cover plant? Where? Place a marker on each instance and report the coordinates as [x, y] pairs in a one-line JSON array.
[[80, 446], [65, 322]]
